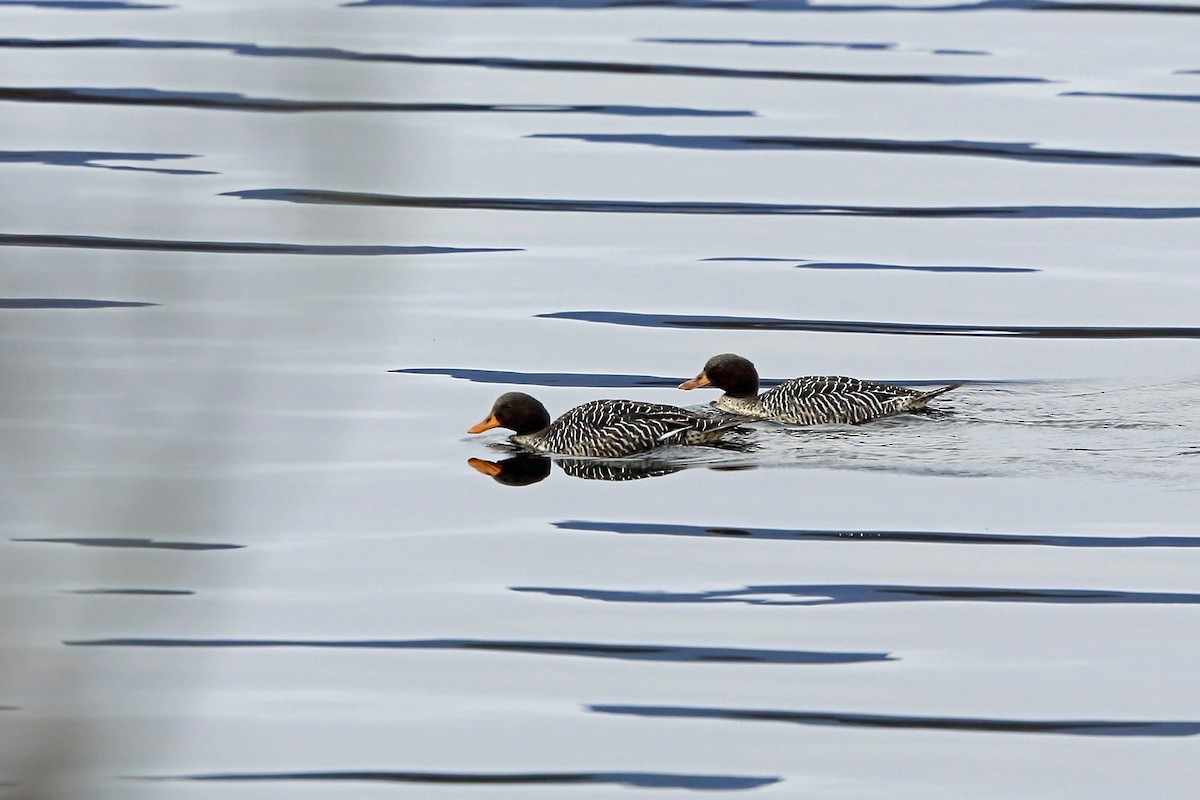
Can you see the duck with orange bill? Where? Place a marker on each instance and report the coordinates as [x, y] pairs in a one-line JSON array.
[[602, 428], [813, 400]]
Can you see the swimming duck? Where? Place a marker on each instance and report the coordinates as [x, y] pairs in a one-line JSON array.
[[813, 400], [602, 428]]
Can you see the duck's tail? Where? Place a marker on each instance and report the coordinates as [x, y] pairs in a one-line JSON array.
[[921, 400]]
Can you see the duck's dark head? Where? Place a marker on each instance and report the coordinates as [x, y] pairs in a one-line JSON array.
[[516, 411], [736, 375]]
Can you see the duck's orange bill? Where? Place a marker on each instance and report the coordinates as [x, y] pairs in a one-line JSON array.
[[486, 425], [696, 382], [486, 467]]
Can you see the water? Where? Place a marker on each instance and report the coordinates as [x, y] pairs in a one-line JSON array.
[[265, 263]]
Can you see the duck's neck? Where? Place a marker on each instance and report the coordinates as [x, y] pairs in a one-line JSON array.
[[739, 405]]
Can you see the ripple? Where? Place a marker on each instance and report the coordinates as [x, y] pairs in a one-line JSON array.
[[1174, 98], [1088, 727], [253, 248], [89, 158], [872, 46], [1017, 151], [65, 302], [88, 5], [231, 101], [795, 5], [496, 62], [601, 380], [854, 594], [137, 592], [149, 544], [577, 379], [641, 780], [327, 197], [628, 652], [802, 263], [851, 535], [697, 321]]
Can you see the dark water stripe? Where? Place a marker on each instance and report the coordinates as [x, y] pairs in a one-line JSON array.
[[916, 537], [149, 544], [640, 780], [801, 263], [913, 268], [1088, 727], [791, 5], [325, 197], [590, 380], [680, 654], [602, 380], [139, 592], [86, 158], [891, 328], [1175, 98], [855, 594], [86, 5], [497, 62], [65, 302], [1016, 151], [873, 46], [266, 248], [231, 101]]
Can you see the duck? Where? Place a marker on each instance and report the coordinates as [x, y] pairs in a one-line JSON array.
[[602, 428], [811, 400]]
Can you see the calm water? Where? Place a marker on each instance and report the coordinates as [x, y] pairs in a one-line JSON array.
[[264, 263]]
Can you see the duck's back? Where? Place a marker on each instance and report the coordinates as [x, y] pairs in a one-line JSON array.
[[832, 399], [614, 428]]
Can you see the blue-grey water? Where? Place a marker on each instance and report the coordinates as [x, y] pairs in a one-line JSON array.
[[263, 263]]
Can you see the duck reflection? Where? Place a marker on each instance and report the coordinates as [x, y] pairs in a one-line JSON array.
[[524, 469], [515, 471]]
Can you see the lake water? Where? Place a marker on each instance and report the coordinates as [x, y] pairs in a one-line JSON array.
[[264, 263]]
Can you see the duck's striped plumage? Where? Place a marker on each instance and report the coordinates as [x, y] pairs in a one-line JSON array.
[[813, 400], [603, 428]]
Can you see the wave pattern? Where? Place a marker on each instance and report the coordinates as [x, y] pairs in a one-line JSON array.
[[85, 158], [232, 101], [855, 594], [803, 263], [510, 63], [696, 321], [128, 542], [65, 302], [1088, 727], [682, 654], [329, 197], [871, 46], [249, 248], [1170, 98], [1016, 151], [597, 380], [802, 5], [911, 537], [88, 5], [639, 780]]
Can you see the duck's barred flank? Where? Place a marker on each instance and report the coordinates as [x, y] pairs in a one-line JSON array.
[[614, 428], [831, 399]]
